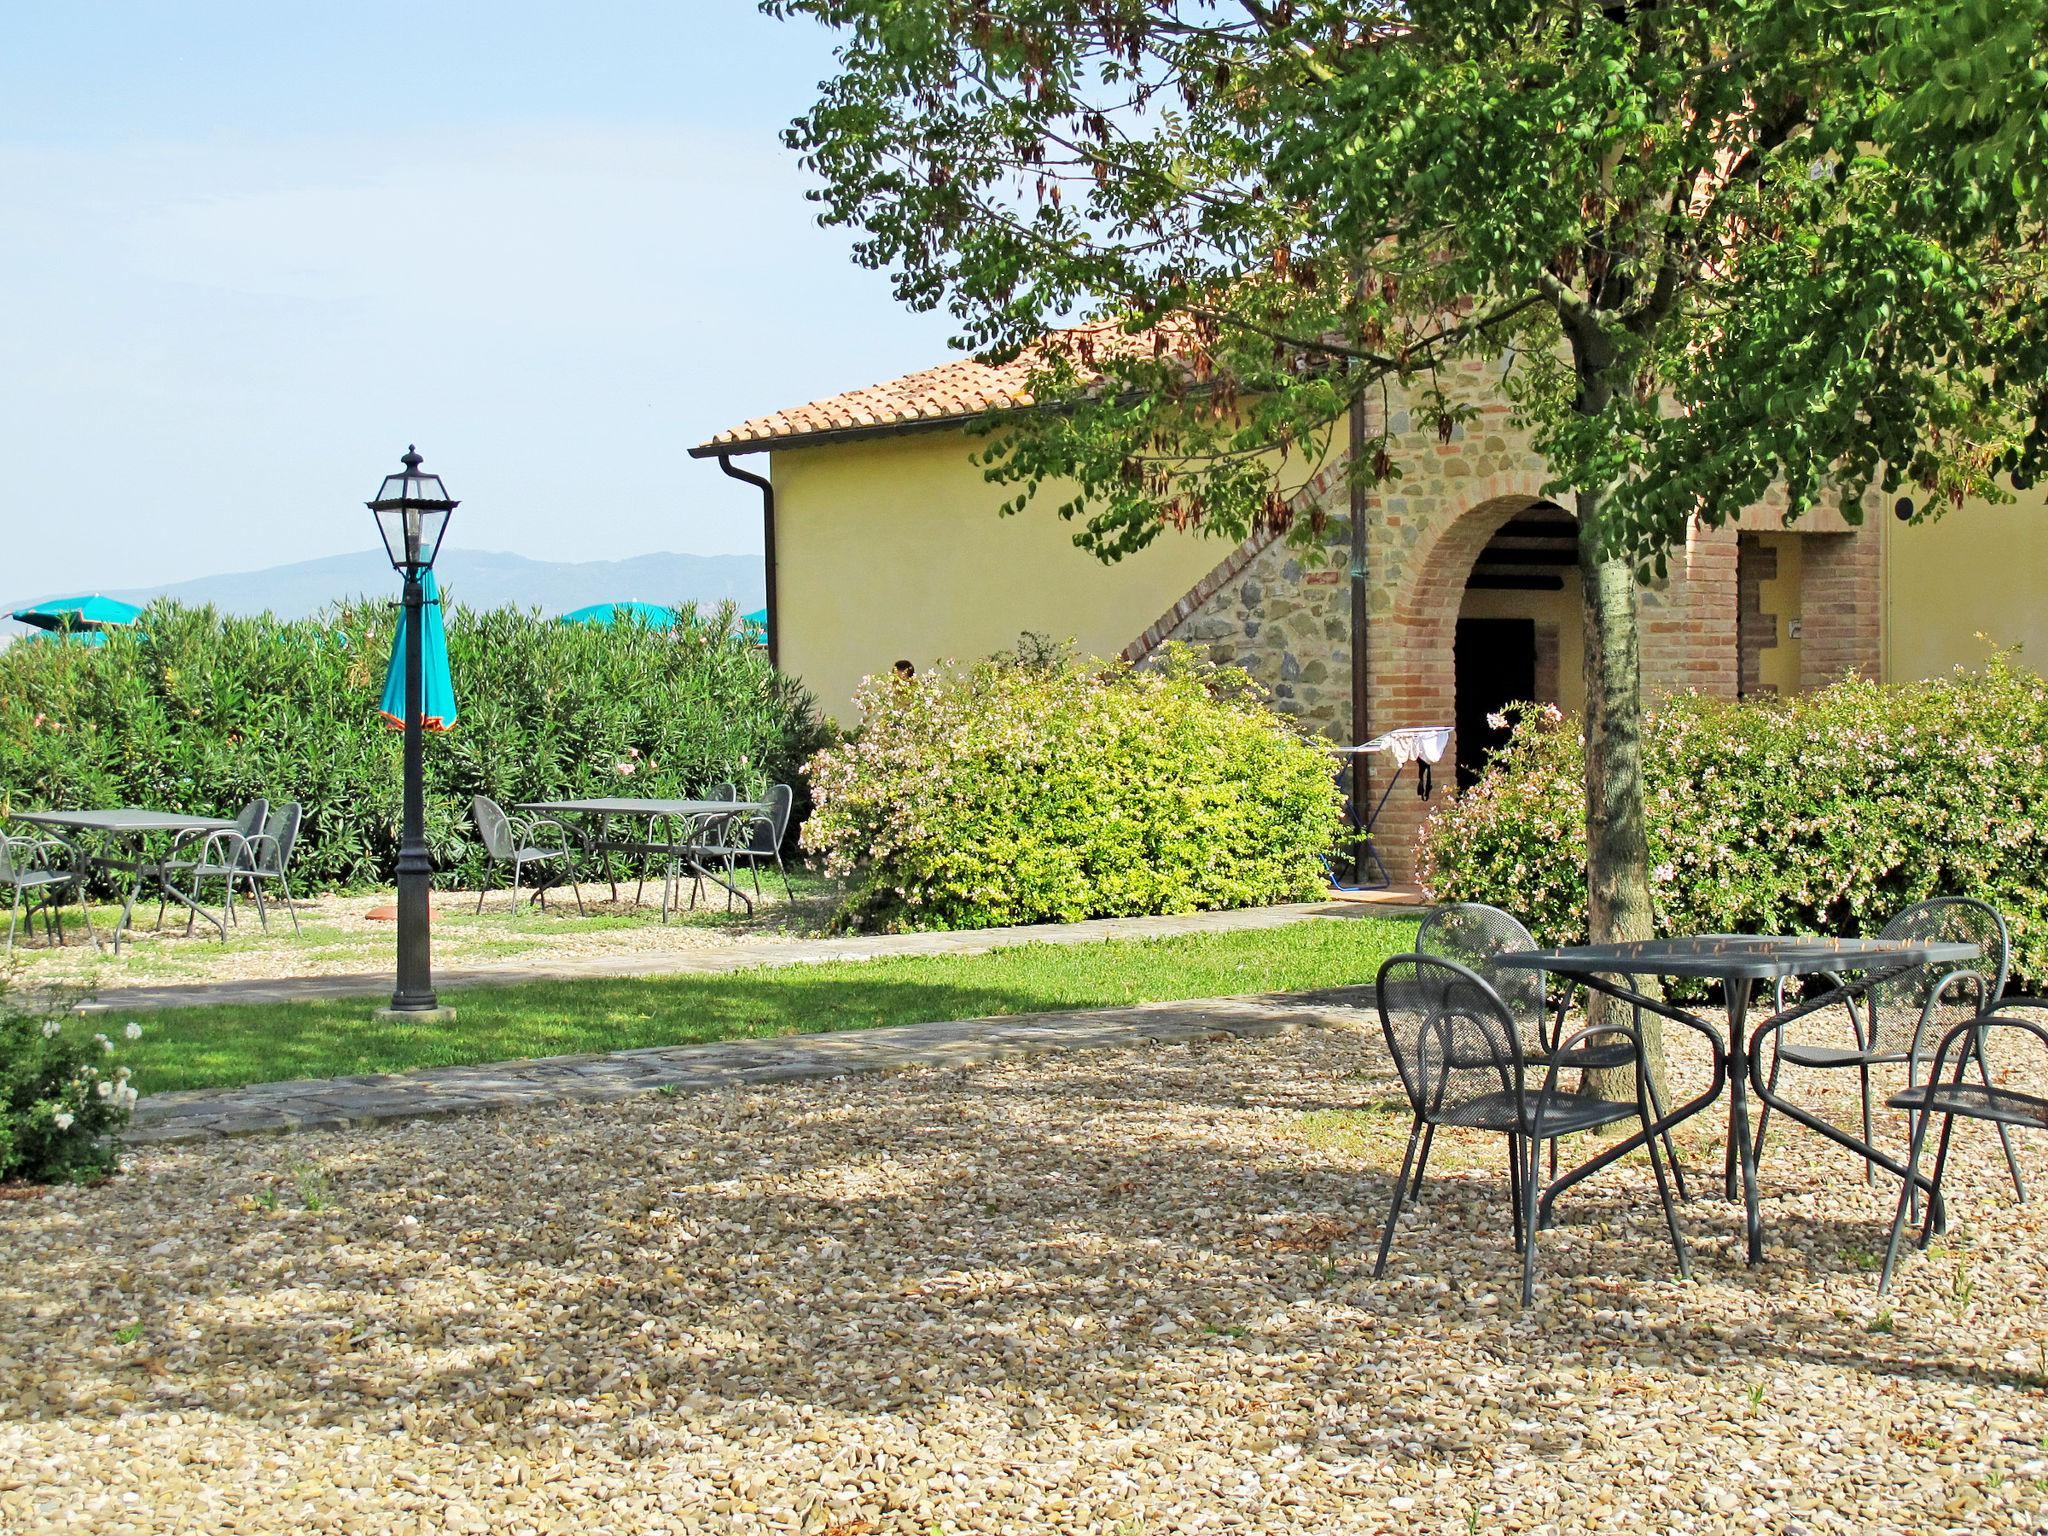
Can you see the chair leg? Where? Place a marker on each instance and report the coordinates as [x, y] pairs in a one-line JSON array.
[[1670, 1152], [2012, 1165], [1515, 1187], [262, 910], [284, 886], [578, 889], [788, 890], [1422, 1162], [1863, 1072], [1891, 1248], [1763, 1120], [1646, 1098], [483, 887], [1948, 1127], [13, 917], [1530, 1181], [1379, 1267]]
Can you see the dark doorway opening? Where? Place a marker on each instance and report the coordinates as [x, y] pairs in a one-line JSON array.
[[1495, 664]]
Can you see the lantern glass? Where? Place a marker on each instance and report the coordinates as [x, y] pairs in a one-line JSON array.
[[412, 510]]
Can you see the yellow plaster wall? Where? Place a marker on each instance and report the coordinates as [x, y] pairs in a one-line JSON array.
[[1979, 568], [1780, 598], [892, 547]]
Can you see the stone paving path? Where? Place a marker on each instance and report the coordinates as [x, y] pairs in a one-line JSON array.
[[738, 957], [332, 1103]]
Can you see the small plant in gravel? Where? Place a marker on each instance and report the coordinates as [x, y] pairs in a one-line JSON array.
[[1882, 1323], [311, 1184], [63, 1095]]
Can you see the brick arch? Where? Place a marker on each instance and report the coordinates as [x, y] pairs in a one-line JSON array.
[[1412, 643]]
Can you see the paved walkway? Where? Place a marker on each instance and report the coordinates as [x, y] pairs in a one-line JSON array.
[[743, 956], [332, 1103]]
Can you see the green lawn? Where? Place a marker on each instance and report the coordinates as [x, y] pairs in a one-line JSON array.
[[223, 1047]]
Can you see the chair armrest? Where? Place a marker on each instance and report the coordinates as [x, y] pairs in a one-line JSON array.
[[524, 832], [1971, 1032], [1565, 1047]]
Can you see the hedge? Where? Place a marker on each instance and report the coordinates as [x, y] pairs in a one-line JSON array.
[[1823, 812], [197, 711], [1050, 790]]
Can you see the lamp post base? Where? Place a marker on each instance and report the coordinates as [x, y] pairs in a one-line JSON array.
[[434, 1015]]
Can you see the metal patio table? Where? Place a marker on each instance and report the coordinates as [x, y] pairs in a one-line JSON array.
[[593, 819], [115, 840], [1739, 962]]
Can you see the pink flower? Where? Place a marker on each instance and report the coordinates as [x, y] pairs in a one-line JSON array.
[[624, 770]]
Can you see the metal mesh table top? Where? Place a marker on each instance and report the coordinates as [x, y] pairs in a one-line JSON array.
[[124, 819], [621, 807], [1755, 956]]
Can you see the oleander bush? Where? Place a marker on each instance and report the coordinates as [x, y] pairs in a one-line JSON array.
[[1047, 789], [64, 1096], [1821, 812], [198, 711]]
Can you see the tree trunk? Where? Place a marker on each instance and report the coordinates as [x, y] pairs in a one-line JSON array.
[[1617, 849]]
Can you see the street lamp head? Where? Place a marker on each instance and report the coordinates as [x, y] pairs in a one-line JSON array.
[[412, 510]]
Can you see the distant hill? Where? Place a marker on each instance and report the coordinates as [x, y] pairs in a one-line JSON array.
[[476, 578]]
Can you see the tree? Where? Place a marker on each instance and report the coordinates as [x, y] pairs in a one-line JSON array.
[[1671, 218]]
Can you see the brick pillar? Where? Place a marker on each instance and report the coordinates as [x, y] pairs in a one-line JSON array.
[[1688, 621], [1839, 606]]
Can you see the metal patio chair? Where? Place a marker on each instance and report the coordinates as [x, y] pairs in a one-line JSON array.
[[270, 858], [510, 840], [27, 872], [1458, 1049], [177, 862], [756, 839], [1473, 934], [2020, 1022], [1902, 1017]]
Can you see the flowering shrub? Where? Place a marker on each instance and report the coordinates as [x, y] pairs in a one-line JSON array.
[[62, 1097], [1050, 790], [1822, 812]]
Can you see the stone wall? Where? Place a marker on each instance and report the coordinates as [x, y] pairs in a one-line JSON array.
[[1283, 612]]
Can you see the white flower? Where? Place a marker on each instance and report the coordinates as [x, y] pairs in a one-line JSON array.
[[133, 1031], [50, 1028], [104, 1089], [61, 1119], [104, 1043]]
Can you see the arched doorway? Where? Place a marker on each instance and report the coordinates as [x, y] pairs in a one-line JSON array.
[[1518, 636]]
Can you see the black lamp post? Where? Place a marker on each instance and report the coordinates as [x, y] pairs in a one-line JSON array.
[[412, 510]]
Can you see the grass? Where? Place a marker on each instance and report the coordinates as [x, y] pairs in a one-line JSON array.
[[228, 1046]]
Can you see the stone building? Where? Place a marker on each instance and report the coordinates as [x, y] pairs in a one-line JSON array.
[[884, 541]]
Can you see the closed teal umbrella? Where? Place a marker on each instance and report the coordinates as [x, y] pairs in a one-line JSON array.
[[437, 695], [653, 615]]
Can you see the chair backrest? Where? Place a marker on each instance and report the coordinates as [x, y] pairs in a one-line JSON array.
[[493, 827], [722, 792], [1907, 1011], [283, 831], [9, 871], [252, 817], [1452, 1038], [1475, 935], [770, 830]]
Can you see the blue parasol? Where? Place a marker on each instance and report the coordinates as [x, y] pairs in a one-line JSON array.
[[605, 615], [437, 693]]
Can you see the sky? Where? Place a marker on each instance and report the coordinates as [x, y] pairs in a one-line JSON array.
[[251, 251]]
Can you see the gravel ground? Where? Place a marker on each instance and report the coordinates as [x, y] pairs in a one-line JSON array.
[[340, 938], [1117, 1292]]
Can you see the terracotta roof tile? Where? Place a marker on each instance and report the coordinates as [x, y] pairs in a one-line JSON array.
[[954, 391]]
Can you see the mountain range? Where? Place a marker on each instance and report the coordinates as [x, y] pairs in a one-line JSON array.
[[476, 578]]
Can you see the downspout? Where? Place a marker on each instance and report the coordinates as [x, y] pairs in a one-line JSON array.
[[1361, 676], [767, 551]]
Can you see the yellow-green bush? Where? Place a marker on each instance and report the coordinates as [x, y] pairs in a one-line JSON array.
[[1051, 790], [196, 711], [1823, 812]]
